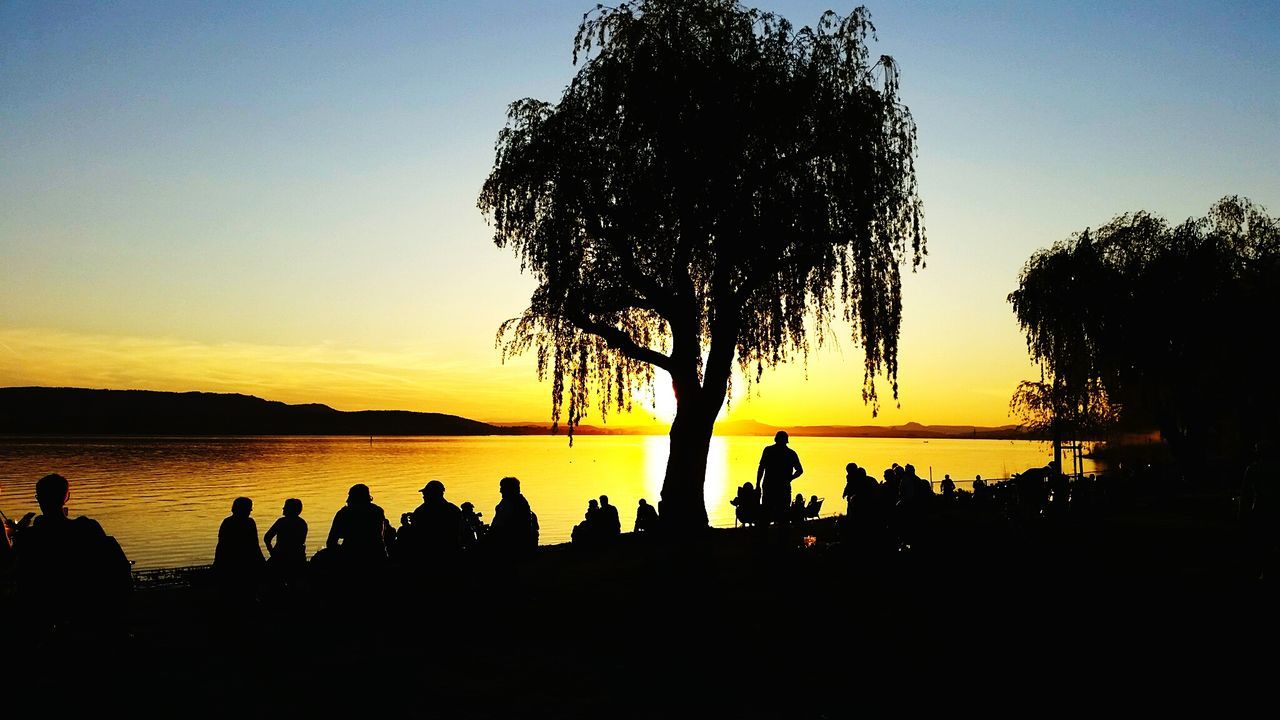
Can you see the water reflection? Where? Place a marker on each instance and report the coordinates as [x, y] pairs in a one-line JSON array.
[[715, 493]]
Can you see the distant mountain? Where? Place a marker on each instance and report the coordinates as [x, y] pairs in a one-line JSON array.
[[909, 430], [755, 428], [77, 411]]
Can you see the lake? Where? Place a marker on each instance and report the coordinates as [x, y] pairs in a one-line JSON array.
[[163, 498]]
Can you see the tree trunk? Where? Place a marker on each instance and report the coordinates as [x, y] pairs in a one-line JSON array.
[[683, 507]]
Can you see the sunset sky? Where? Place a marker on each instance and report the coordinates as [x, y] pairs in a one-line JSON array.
[[280, 199]]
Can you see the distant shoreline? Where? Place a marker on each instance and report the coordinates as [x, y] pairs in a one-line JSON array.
[[81, 412]]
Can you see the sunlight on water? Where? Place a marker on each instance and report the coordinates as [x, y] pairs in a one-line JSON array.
[[164, 498]]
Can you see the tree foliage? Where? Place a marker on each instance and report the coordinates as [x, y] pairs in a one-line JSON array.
[[1167, 324], [712, 184]]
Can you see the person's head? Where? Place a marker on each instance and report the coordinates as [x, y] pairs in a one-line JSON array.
[[293, 507], [642, 502], [910, 470], [509, 486], [467, 507], [52, 493], [359, 495], [433, 490], [946, 477], [800, 497], [604, 500], [813, 498], [241, 507], [781, 437], [851, 469], [593, 505]]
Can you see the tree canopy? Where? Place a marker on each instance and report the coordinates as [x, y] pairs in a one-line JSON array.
[[1164, 324], [713, 184]]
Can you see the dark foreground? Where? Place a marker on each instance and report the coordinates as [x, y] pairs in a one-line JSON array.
[[1154, 607]]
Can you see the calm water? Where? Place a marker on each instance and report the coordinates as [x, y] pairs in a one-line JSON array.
[[163, 498]]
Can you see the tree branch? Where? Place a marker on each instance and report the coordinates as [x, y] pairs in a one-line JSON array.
[[619, 340]]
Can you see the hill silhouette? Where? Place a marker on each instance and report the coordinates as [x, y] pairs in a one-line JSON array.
[[79, 411]]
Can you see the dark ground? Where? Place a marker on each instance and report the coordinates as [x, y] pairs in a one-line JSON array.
[[1151, 608]]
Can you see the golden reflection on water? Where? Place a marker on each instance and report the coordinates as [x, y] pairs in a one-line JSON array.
[[164, 498]]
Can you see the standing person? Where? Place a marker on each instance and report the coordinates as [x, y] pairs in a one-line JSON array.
[[70, 572], [237, 560], [948, 489], [286, 542], [357, 530], [779, 465], [514, 530]]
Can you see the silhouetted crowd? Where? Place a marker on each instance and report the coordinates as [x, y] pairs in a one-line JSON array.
[[68, 575]]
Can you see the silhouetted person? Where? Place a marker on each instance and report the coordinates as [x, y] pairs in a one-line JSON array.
[[237, 560], [437, 524], [813, 508], [358, 527], [405, 549], [948, 489], [587, 532], [796, 512], [747, 504], [610, 523], [646, 517], [473, 527], [70, 572], [860, 524], [286, 542], [779, 465], [514, 530], [981, 493]]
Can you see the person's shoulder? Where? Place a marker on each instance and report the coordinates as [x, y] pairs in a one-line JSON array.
[[88, 526]]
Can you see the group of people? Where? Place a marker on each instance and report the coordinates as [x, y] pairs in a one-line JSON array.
[[69, 569], [898, 508], [361, 536]]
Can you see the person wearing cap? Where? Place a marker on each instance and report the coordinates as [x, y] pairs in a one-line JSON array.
[[779, 465], [357, 528], [437, 523]]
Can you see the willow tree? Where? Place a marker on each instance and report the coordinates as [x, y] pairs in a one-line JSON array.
[[1160, 323], [712, 186]]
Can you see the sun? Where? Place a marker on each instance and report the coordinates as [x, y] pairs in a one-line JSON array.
[[660, 403]]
